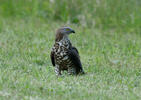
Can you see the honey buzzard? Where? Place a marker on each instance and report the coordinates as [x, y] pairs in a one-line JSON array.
[[63, 55]]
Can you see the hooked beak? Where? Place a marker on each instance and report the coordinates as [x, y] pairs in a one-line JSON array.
[[72, 31]]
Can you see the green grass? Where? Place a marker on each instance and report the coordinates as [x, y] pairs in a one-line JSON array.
[[112, 61], [108, 37]]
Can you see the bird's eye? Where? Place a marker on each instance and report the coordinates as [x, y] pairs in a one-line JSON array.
[[67, 29]]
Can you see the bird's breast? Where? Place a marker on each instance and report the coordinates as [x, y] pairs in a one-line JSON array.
[[61, 52]]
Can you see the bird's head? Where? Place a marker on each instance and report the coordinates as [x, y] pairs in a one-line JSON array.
[[65, 30]]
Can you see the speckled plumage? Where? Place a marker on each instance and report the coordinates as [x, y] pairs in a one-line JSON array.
[[64, 56]]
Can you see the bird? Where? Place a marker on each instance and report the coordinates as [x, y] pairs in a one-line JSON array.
[[63, 55]]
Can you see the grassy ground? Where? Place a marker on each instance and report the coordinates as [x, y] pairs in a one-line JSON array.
[[108, 37], [112, 61]]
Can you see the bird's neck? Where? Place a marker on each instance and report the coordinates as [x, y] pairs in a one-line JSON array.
[[64, 41], [60, 37], [65, 37]]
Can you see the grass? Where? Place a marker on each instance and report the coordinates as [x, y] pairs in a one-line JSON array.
[[112, 61], [107, 36]]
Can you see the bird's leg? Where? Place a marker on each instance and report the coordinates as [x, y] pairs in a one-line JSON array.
[[82, 71], [71, 71], [57, 70]]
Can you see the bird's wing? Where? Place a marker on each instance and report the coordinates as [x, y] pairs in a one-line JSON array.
[[74, 56], [75, 50], [52, 58]]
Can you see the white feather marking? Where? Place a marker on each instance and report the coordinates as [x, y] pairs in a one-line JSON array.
[[65, 58], [61, 53]]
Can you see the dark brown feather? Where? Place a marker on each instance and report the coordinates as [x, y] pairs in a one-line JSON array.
[[74, 56], [59, 36], [74, 48], [52, 58]]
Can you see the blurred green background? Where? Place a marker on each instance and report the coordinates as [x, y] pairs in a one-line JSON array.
[[120, 15]]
